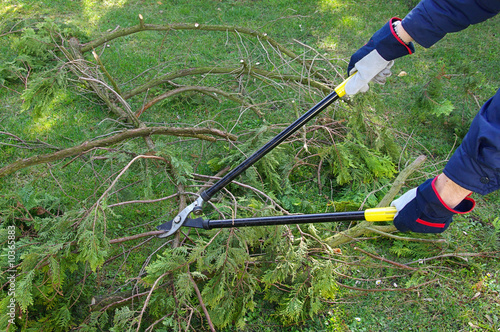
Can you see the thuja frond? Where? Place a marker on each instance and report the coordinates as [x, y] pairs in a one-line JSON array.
[[352, 161], [24, 286]]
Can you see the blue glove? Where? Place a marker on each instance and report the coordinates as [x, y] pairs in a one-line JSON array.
[[422, 210], [374, 60]]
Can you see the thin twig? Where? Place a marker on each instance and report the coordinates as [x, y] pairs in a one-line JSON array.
[[462, 255], [382, 259], [105, 71], [246, 186], [144, 201], [135, 237], [203, 89], [139, 319], [387, 289]]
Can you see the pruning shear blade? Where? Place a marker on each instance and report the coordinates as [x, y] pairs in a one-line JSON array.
[[170, 227]]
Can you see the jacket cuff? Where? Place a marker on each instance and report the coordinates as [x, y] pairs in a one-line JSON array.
[[388, 43]]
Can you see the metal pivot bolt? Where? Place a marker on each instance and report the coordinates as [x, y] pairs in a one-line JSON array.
[[197, 210], [177, 219]]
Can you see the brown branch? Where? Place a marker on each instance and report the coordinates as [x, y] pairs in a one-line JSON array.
[[200, 176], [130, 115], [461, 255], [150, 328], [135, 237], [93, 77], [121, 300], [382, 259], [148, 201], [80, 67], [11, 32], [202, 89], [127, 252], [277, 47], [188, 26], [105, 71], [200, 299], [255, 72], [127, 134], [146, 302]]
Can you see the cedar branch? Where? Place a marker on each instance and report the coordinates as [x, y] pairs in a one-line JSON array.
[[366, 227]]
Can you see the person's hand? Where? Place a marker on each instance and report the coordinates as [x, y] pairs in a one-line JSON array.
[[373, 61], [422, 210]]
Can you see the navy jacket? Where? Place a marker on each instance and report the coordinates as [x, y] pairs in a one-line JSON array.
[[476, 163]]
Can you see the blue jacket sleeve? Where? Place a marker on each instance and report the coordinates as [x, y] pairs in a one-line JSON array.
[[475, 165], [431, 20]]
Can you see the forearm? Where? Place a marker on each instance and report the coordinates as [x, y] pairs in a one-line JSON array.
[[450, 193], [401, 32]]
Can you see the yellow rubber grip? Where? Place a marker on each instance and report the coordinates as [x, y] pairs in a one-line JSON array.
[[380, 214], [340, 89]]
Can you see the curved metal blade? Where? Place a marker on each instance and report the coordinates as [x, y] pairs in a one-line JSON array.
[[172, 226]]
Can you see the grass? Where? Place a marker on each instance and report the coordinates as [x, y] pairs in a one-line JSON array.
[[336, 28]]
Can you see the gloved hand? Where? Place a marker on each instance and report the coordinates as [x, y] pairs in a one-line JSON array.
[[374, 60], [422, 210]]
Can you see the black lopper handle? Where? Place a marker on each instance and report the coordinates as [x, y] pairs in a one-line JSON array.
[[297, 124]]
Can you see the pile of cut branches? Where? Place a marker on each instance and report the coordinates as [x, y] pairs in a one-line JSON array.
[[85, 214]]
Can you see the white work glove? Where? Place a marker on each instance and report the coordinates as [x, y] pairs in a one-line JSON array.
[[373, 61], [371, 68]]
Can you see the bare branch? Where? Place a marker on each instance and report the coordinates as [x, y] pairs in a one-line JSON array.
[[144, 201], [202, 89], [246, 186], [127, 134], [383, 259], [187, 26], [150, 292], [135, 237], [105, 71], [255, 72]]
